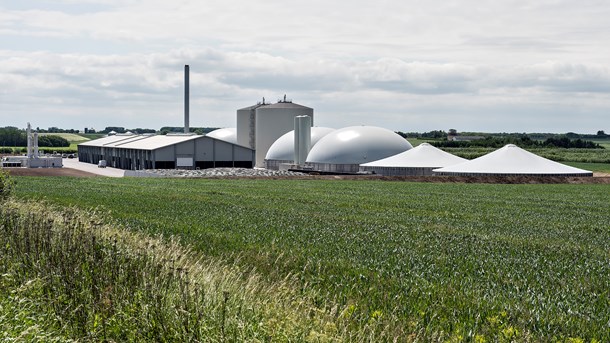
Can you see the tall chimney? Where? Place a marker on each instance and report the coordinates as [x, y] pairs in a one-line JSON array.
[[186, 98]]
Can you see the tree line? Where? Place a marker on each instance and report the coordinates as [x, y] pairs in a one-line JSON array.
[[14, 137], [522, 141]]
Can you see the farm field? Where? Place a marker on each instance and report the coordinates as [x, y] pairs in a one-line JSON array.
[[594, 167], [71, 137], [433, 261]]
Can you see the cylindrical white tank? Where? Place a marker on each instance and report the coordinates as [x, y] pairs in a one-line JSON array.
[[246, 125], [282, 150], [302, 139], [272, 122]]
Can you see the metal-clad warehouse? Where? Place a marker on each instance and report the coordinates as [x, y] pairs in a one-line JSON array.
[[137, 152]]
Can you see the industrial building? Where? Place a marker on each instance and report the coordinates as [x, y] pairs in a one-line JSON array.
[[138, 152], [511, 160], [419, 161], [245, 146]]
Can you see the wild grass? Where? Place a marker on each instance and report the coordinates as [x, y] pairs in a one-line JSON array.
[[64, 275], [391, 260]]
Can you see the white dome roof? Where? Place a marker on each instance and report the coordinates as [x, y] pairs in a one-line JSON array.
[[357, 145], [512, 160], [283, 148], [422, 156], [228, 134]]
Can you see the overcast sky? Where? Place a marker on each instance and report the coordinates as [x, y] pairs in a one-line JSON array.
[[492, 66]]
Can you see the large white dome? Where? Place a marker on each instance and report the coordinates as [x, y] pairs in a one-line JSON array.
[[228, 134], [357, 145], [283, 148]]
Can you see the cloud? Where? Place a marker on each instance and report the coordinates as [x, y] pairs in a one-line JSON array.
[[385, 62]]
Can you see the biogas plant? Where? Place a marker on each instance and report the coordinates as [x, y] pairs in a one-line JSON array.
[[282, 136]]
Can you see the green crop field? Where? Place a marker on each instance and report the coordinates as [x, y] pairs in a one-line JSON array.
[[70, 137], [411, 261]]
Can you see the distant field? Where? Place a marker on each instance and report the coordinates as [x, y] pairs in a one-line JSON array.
[[603, 142], [594, 167], [417, 141], [441, 262], [71, 137]]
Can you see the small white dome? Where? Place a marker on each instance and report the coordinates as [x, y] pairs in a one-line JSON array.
[[228, 134], [357, 145], [283, 148], [422, 156]]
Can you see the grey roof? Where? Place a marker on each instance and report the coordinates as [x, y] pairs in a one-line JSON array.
[[286, 105], [107, 140], [146, 142], [142, 142], [154, 142], [253, 107]]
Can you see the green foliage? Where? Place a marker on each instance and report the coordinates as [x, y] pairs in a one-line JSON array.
[[426, 262], [52, 141], [6, 184], [523, 141], [11, 136]]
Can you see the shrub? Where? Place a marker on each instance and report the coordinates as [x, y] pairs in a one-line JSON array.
[[6, 184]]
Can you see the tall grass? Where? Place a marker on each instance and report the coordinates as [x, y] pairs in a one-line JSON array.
[[66, 275]]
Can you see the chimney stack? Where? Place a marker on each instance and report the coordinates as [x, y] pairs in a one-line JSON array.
[[186, 98]]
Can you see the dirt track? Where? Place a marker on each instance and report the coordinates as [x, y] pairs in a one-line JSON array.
[[596, 179]]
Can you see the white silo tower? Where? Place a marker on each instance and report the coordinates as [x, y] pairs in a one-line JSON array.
[[272, 121], [246, 125]]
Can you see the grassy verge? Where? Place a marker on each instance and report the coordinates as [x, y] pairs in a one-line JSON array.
[[594, 167], [409, 261], [64, 275]]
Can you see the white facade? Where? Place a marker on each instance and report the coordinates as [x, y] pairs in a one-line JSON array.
[[345, 149]]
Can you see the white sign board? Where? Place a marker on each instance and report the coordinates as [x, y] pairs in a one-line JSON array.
[[184, 162]]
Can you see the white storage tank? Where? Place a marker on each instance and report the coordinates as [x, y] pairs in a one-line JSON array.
[[282, 150], [271, 122], [345, 149], [246, 125]]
